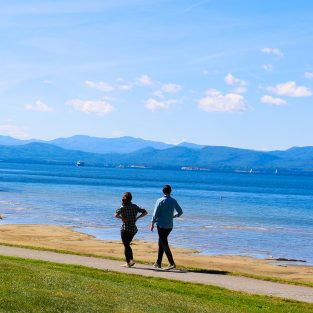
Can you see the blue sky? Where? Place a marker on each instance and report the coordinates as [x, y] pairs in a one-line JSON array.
[[220, 72]]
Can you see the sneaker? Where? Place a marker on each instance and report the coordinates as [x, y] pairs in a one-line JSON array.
[[129, 264], [170, 266], [156, 265]]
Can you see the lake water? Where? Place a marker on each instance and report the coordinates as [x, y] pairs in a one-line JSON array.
[[224, 213]]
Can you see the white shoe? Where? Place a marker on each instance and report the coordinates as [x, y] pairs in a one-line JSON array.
[[156, 265], [170, 266]]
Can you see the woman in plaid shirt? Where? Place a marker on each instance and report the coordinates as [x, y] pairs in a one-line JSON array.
[[128, 214]]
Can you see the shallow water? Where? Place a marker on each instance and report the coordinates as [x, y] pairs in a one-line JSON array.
[[224, 213]]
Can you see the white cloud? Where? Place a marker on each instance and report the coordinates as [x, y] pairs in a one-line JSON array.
[[90, 106], [167, 88], [14, 131], [308, 75], [48, 81], [271, 100], [205, 72], [290, 89], [125, 87], [145, 80], [273, 51], [99, 86], [267, 67], [153, 104], [215, 101], [171, 88], [38, 106], [239, 84]]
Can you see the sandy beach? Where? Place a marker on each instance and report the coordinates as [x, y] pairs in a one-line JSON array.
[[64, 238]]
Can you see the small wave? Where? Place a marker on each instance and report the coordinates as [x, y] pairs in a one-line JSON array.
[[242, 227], [18, 209]]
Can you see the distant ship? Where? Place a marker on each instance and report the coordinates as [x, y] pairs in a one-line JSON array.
[[276, 171], [251, 171], [80, 163]]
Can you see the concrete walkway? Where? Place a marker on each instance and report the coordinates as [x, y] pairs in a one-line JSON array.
[[244, 284]]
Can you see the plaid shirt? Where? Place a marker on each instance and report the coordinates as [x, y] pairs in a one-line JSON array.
[[130, 211]]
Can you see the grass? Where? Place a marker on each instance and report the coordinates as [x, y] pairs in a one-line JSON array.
[[36, 286], [194, 269]]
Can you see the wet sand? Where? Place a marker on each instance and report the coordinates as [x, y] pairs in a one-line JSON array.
[[64, 238]]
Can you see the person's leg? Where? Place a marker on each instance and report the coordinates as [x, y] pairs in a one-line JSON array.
[[163, 245], [127, 237], [161, 250]]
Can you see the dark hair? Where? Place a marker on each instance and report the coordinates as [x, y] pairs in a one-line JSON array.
[[127, 198], [167, 189]]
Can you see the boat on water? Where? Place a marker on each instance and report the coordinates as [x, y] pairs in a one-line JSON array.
[[80, 163]]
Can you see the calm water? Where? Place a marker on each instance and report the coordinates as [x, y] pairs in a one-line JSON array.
[[224, 213]]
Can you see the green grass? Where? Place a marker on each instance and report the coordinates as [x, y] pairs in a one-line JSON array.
[[36, 286]]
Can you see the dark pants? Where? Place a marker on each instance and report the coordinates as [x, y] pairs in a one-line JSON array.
[[163, 245], [127, 238]]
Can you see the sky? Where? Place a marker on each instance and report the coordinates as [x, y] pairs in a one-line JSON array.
[[215, 72]]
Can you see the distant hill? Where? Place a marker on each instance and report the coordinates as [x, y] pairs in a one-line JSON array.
[[107, 145], [93, 144], [209, 157], [45, 153], [10, 141]]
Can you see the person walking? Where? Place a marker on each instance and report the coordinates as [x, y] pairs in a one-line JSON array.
[[128, 213], [163, 215]]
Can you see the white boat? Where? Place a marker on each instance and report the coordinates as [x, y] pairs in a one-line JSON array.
[[80, 163], [251, 171]]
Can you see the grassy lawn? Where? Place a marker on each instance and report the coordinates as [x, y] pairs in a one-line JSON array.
[[35, 286]]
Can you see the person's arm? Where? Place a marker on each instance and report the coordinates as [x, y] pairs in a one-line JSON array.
[[155, 215], [178, 210], [142, 212], [118, 214]]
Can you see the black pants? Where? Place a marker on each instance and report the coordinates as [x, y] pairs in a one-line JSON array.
[[163, 245], [127, 238]]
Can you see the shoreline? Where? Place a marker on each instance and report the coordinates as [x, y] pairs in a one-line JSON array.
[[67, 239]]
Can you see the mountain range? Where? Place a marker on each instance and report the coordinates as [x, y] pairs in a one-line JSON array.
[[129, 151]]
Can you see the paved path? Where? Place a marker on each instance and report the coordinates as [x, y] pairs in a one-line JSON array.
[[244, 284]]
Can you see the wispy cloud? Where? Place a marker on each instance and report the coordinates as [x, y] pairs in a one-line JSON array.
[[102, 86], [14, 131], [274, 51], [153, 104], [193, 6], [171, 88], [308, 75], [89, 106], [39, 106], [145, 80], [125, 87], [271, 100], [290, 89], [240, 85], [267, 67], [167, 88], [215, 101]]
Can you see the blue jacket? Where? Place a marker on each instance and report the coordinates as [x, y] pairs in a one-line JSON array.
[[164, 212]]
